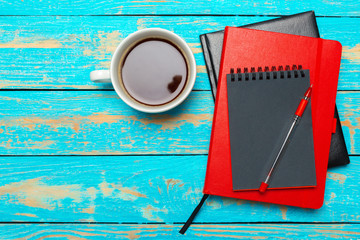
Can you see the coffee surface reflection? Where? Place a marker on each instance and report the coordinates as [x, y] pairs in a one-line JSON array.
[[154, 72]]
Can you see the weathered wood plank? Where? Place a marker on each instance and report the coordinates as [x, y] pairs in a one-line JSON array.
[[197, 231], [348, 104], [145, 189], [100, 123], [272, 7], [89, 122], [59, 52]]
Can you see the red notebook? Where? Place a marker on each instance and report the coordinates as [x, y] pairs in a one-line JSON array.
[[247, 48]]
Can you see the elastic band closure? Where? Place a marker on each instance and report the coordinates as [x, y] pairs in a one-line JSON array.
[[193, 215]]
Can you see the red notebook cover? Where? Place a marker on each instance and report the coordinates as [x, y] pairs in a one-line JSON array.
[[251, 48]]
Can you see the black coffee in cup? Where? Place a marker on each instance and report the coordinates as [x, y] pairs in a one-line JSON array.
[[154, 71]]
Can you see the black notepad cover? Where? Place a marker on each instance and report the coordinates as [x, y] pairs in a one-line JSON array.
[[303, 24], [260, 115]]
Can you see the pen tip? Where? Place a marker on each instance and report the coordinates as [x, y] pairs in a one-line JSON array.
[[263, 187]]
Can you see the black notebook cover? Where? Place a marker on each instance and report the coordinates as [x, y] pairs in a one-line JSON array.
[[303, 24], [261, 111]]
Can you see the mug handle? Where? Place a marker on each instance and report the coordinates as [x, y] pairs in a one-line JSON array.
[[100, 76]]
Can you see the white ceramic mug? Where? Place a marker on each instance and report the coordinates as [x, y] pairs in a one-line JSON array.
[[104, 76]]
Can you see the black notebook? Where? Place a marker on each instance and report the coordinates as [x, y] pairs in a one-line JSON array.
[[261, 110], [303, 24]]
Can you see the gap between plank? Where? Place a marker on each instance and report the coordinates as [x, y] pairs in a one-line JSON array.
[[120, 155], [106, 155], [171, 15], [179, 223]]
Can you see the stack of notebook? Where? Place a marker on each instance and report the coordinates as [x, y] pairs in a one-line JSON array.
[[251, 116], [261, 80]]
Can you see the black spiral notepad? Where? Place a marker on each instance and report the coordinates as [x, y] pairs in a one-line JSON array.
[[261, 104]]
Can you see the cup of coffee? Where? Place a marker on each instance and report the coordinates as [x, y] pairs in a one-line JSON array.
[[152, 70]]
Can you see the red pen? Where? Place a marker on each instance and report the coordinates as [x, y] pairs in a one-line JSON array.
[[299, 112]]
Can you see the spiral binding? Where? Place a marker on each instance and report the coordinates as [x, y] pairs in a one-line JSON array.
[[276, 72]]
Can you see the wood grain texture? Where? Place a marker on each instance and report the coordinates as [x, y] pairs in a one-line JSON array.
[[87, 122], [53, 45], [197, 231], [59, 52], [93, 7], [148, 189], [100, 123]]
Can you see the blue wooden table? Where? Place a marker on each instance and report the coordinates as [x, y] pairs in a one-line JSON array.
[[77, 163]]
